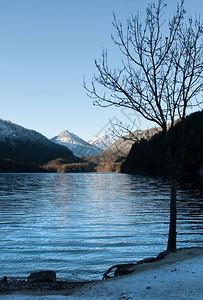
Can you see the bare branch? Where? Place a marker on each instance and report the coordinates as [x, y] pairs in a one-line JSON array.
[[161, 75]]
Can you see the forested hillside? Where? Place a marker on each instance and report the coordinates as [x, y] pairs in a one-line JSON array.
[[149, 156]]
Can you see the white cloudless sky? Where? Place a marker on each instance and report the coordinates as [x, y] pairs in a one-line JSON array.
[[46, 47]]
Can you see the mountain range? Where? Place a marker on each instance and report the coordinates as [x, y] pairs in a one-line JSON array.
[[80, 147], [27, 150], [24, 150]]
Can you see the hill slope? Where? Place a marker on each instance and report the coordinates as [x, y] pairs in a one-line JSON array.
[[109, 160], [29, 147], [148, 157]]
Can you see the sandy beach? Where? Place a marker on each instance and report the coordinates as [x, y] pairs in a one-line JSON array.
[[178, 276]]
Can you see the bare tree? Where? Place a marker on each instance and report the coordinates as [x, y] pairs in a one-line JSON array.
[[160, 78]]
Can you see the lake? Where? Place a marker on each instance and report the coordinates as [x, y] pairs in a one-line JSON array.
[[81, 224]]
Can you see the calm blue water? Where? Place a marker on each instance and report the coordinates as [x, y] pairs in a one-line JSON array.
[[81, 224]]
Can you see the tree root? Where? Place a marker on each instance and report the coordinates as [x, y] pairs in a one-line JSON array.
[[124, 269]]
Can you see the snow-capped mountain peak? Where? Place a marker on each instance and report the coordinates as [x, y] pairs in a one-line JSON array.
[[77, 145], [102, 141], [66, 137]]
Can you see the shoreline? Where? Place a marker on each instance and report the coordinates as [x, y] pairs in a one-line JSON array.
[[82, 289]]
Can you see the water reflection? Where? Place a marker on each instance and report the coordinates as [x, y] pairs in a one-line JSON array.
[[79, 224]]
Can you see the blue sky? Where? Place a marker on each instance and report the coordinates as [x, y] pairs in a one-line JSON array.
[[46, 47]]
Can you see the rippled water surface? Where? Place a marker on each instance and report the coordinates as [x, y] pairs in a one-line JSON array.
[[81, 224]]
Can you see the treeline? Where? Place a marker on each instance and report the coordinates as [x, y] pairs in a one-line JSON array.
[[62, 165], [12, 166]]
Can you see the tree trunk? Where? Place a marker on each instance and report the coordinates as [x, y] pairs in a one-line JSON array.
[[172, 227]]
